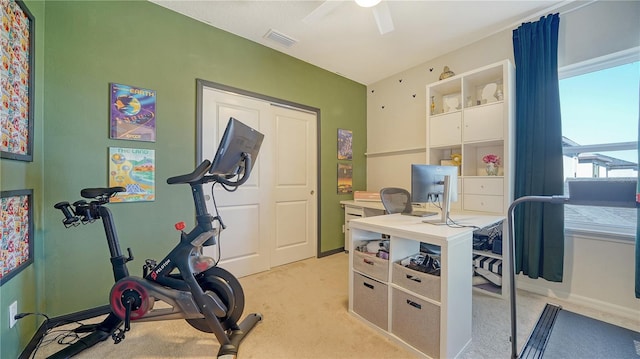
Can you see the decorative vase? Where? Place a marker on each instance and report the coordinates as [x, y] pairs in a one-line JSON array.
[[492, 169]]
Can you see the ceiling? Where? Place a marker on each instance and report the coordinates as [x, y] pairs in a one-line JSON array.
[[346, 40]]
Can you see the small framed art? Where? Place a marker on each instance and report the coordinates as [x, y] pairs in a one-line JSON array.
[[132, 113], [134, 169], [345, 147], [16, 246], [345, 177]]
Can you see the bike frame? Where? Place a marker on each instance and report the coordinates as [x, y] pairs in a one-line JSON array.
[[181, 291]]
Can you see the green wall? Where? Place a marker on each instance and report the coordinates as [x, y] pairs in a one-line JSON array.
[[27, 286], [87, 45]]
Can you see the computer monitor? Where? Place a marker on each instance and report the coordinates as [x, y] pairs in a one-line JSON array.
[[431, 183], [237, 139], [427, 182]]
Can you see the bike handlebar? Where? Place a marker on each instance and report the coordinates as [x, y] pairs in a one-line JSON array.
[[199, 175]]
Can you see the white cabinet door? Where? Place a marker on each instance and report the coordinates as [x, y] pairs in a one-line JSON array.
[[483, 123], [445, 130]]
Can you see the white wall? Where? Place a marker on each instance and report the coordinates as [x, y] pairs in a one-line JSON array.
[[396, 125], [597, 273]]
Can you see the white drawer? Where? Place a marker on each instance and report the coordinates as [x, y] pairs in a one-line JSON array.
[[485, 186], [354, 211], [476, 202]]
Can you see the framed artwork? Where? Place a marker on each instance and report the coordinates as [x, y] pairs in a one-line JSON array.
[[345, 178], [16, 81], [132, 113], [134, 169], [16, 246], [345, 148]]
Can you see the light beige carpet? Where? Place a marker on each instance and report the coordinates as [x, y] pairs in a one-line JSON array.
[[304, 305]]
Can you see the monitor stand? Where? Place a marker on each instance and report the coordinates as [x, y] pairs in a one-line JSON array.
[[446, 204]]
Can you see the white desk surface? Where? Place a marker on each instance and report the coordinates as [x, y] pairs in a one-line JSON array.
[[364, 204], [413, 227]]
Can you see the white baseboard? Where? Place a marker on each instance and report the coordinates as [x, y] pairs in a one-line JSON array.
[[625, 312]]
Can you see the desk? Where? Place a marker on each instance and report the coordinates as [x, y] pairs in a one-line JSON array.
[[429, 315], [357, 210]]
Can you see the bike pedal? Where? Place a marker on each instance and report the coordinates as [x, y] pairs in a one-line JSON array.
[[118, 336]]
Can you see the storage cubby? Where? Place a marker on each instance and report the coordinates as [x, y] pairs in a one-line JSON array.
[[370, 265], [473, 165], [447, 89], [370, 300], [483, 86], [411, 312]]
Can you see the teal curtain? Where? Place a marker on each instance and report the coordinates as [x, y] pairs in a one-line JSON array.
[[539, 227]]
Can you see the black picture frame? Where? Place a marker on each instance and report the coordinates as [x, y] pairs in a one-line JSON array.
[[17, 137], [16, 249]]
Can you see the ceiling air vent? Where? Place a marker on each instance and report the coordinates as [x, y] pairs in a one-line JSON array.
[[280, 38]]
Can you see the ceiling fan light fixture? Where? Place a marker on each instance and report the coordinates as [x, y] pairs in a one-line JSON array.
[[367, 3]]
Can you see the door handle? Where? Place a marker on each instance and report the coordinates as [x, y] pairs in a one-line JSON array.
[[312, 192]]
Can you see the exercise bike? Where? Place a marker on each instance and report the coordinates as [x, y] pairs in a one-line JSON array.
[[208, 297]]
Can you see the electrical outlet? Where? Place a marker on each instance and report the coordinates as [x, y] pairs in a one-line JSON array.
[[13, 311]]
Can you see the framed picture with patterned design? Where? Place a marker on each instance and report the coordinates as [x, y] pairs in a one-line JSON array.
[[16, 81], [16, 242]]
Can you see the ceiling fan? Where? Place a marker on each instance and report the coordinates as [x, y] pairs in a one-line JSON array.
[[380, 12]]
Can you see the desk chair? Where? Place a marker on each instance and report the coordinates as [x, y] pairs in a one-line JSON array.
[[396, 200]]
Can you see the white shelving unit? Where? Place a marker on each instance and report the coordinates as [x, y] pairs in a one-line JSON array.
[[472, 114], [430, 315]]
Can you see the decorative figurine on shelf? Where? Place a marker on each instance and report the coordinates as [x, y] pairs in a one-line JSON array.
[[446, 73], [433, 105], [456, 158], [492, 163], [499, 95]]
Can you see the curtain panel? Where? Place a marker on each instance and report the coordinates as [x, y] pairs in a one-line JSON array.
[[539, 227]]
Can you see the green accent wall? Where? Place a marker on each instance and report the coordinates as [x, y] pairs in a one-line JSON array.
[[84, 47], [27, 287]]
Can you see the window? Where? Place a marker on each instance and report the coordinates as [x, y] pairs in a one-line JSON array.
[[599, 108]]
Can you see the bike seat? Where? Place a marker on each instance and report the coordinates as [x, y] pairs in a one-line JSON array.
[[100, 192]]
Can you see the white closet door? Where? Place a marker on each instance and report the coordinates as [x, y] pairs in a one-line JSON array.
[[272, 219], [295, 186]]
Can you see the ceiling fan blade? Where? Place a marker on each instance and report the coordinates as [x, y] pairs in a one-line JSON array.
[[383, 18], [321, 11]]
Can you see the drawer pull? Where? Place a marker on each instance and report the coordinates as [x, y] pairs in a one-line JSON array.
[[369, 262], [414, 278], [414, 304], [370, 286]]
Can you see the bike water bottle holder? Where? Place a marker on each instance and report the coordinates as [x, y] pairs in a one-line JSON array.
[[199, 264]]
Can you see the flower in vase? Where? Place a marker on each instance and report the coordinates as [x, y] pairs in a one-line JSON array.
[[491, 158]]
